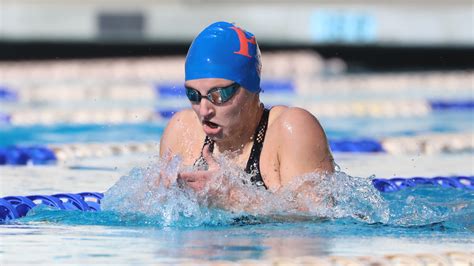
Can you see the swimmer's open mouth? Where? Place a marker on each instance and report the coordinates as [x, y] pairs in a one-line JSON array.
[[210, 124]]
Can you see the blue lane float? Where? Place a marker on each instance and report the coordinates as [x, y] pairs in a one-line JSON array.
[[7, 94], [168, 90], [461, 105], [5, 118], [14, 207], [166, 113], [36, 155], [401, 183], [278, 86], [362, 145]]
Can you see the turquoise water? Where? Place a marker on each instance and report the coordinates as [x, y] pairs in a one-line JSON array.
[[78, 244], [426, 220]]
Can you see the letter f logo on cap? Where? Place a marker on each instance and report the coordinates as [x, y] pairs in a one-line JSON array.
[[244, 42]]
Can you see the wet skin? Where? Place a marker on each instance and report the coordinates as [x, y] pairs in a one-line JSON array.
[[295, 143]]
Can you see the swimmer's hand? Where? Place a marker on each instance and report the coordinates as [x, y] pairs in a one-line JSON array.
[[199, 180], [166, 176]]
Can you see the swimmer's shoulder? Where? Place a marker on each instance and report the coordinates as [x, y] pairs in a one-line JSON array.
[[284, 118], [294, 127], [180, 129], [301, 141]]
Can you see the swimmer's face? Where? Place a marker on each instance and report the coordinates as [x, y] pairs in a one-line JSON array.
[[220, 121]]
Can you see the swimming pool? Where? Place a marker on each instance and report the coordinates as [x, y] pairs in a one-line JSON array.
[[417, 225], [74, 237]]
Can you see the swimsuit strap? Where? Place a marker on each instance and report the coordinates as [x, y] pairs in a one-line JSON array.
[[201, 162], [253, 164]]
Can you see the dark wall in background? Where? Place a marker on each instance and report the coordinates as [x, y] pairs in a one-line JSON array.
[[359, 58]]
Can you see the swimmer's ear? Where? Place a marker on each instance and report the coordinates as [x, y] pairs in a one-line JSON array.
[[207, 154]]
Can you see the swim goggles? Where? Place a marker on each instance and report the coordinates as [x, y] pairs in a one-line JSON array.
[[215, 95]]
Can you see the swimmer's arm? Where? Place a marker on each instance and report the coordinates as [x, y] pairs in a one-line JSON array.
[[303, 146]]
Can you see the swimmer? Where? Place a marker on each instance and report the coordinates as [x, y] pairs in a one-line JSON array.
[[222, 83]]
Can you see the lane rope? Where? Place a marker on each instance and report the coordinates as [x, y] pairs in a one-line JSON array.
[[14, 207], [376, 109], [50, 154]]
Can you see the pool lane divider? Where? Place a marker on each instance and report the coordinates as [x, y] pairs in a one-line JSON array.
[[120, 92], [50, 154], [438, 105], [375, 108], [7, 94], [400, 183], [14, 207], [36, 155], [432, 85]]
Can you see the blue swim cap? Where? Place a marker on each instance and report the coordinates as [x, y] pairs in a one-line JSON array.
[[223, 50]]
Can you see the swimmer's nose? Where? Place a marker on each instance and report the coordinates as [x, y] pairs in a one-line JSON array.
[[206, 108]]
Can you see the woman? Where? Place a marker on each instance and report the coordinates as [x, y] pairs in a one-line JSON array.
[[274, 146]]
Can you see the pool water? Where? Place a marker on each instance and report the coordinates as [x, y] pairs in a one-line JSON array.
[[422, 220], [67, 243], [68, 237], [139, 225]]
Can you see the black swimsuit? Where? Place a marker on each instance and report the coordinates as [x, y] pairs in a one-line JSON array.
[[253, 164]]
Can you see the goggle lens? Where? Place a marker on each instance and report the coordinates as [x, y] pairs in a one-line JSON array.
[[215, 95]]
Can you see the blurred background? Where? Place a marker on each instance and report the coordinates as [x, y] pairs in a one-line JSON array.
[[367, 35], [95, 78]]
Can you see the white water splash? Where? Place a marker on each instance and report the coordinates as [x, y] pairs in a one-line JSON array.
[[230, 196]]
